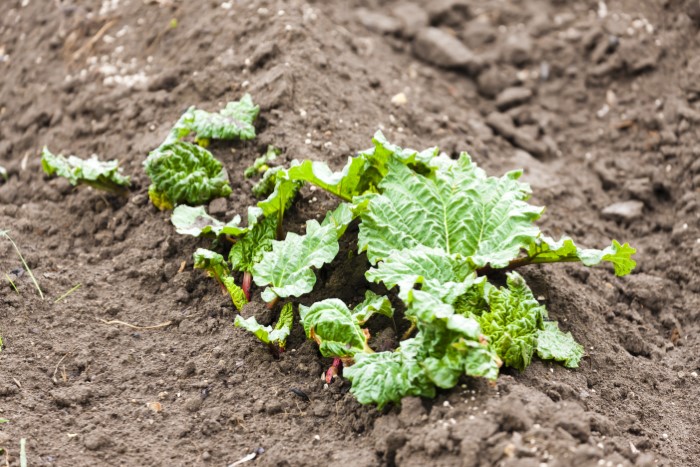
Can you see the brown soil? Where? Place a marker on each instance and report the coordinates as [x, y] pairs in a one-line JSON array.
[[606, 110]]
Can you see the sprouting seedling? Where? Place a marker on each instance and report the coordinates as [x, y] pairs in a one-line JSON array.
[[6, 234], [262, 163]]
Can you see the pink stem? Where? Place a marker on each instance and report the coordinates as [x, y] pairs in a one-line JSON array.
[[334, 370], [247, 281]]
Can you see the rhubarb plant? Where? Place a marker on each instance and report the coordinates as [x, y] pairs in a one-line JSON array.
[[184, 172], [437, 231], [101, 175]]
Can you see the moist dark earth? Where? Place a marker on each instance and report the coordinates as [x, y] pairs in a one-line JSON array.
[[599, 103]]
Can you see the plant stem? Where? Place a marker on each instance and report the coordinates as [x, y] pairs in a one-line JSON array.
[[334, 370], [524, 261], [247, 281], [271, 305], [4, 233], [76, 287]]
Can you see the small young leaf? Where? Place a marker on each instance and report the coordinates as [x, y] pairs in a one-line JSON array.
[[372, 304], [340, 218], [195, 221], [93, 172], [235, 121], [547, 250], [184, 173], [251, 247], [237, 295], [287, 267], [552, 344], [267, 334], [334, 328], [260, 166], [212, 262], [344, 184]]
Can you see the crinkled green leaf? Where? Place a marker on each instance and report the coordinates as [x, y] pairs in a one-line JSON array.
[[237, 295], [457, 209], [251, 247], [439, 272], [261, 164], [384, 377], [266, 185], [235, 121], [184, 173], [286, 269], [267, 334], [334, 328], [195, 221], [547, 250], [553, 344], [378, 157], [372, 304], [512, 322], [102, 175]]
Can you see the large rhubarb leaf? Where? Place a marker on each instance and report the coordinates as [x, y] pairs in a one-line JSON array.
[[334, 328], [102, 175], [286, 269], [195, 221], [457, 209], [552, 344], [267, 334], [547, 250], [184, 173]]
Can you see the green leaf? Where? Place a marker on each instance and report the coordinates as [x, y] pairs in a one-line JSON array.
[[334, 328], [281, 197], [340, 218], [372, 304], [384, 377], [512, 322], [212, 262], [344, 184], [378, 158], [552, 344], [237, 295], [260, 166], [101, 175], [251, 247], [547, 250], [266, 185], [195, 221], [287, 267], [445, 275], [184, 173], [267, 334], [457, 209], [235, 121]]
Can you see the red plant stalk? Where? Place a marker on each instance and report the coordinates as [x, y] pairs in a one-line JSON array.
[[334, 370], [247, 282]]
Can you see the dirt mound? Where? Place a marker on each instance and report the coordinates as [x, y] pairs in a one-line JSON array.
[[599, 104]]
